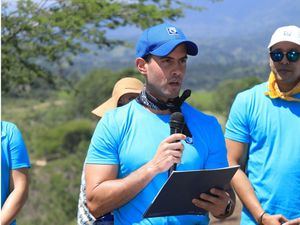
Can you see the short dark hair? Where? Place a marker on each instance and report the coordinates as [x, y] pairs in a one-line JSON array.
[[147, 58]]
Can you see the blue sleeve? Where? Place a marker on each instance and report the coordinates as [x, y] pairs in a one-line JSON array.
[[104, 144], [18, 151], [217, 155], [237, 128]]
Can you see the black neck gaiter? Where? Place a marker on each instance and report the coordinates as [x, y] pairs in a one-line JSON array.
[[173, 105]]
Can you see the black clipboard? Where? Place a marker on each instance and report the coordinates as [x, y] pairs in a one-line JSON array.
[[175, 197]]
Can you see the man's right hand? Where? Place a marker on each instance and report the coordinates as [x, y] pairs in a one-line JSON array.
[[168, 153]]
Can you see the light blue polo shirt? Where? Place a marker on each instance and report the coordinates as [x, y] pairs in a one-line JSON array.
[[271, 127], [13, 155], [129, 137]]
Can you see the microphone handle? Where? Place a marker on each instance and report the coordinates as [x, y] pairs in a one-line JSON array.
[[174, 130], [172, 168]]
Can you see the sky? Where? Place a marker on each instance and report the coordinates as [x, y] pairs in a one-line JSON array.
[[233, 18]]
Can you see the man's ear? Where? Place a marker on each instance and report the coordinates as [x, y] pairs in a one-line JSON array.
[[140, 64]]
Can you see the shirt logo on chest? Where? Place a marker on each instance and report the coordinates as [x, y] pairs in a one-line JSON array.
[[189, 140]]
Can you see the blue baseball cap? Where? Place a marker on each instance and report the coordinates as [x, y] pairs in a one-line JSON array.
[[160, 40]]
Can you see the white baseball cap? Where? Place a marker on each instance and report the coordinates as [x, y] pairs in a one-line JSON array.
[[287, 33]]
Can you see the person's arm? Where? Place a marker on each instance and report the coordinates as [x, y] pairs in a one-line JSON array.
[[105, 192], [18, 196], [243, 187]]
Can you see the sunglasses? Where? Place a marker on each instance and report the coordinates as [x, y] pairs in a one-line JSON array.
[[277, 56]]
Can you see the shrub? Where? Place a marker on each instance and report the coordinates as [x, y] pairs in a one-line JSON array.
[[63, 139]]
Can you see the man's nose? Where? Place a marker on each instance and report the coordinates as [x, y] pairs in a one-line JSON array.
[[284, 60], [178, 69]]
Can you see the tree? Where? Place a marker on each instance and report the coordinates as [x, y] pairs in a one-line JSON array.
[[226, 91], [95, 88], [38, 36]]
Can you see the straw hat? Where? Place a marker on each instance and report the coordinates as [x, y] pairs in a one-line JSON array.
[[123, 86]]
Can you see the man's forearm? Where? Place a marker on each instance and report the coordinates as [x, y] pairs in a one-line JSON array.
[[244, 190], [13, 205], [16, 199]]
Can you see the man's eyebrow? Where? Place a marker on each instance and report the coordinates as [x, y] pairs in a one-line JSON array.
[[185, 57]]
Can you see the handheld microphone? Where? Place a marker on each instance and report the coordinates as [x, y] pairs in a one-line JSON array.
[[176, 126]]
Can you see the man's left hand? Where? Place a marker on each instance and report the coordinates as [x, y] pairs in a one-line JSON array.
[[215, 203]]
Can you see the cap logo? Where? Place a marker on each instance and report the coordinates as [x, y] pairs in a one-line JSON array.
[[172, 30], [286, 33]]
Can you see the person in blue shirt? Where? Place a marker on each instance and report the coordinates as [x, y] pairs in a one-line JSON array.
[[132, 150], [265, 122], [14, 172]]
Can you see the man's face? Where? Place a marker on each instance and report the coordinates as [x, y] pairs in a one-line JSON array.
[[164, 75], [287, 73]]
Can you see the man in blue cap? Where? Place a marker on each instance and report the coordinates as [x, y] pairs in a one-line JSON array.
[[132, 150]]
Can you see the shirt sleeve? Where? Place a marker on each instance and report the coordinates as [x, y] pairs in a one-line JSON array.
[[104, 144], [237, 128], [18, 151], [217, 155]]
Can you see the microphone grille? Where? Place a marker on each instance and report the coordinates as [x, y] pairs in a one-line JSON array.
[[177, 117]]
